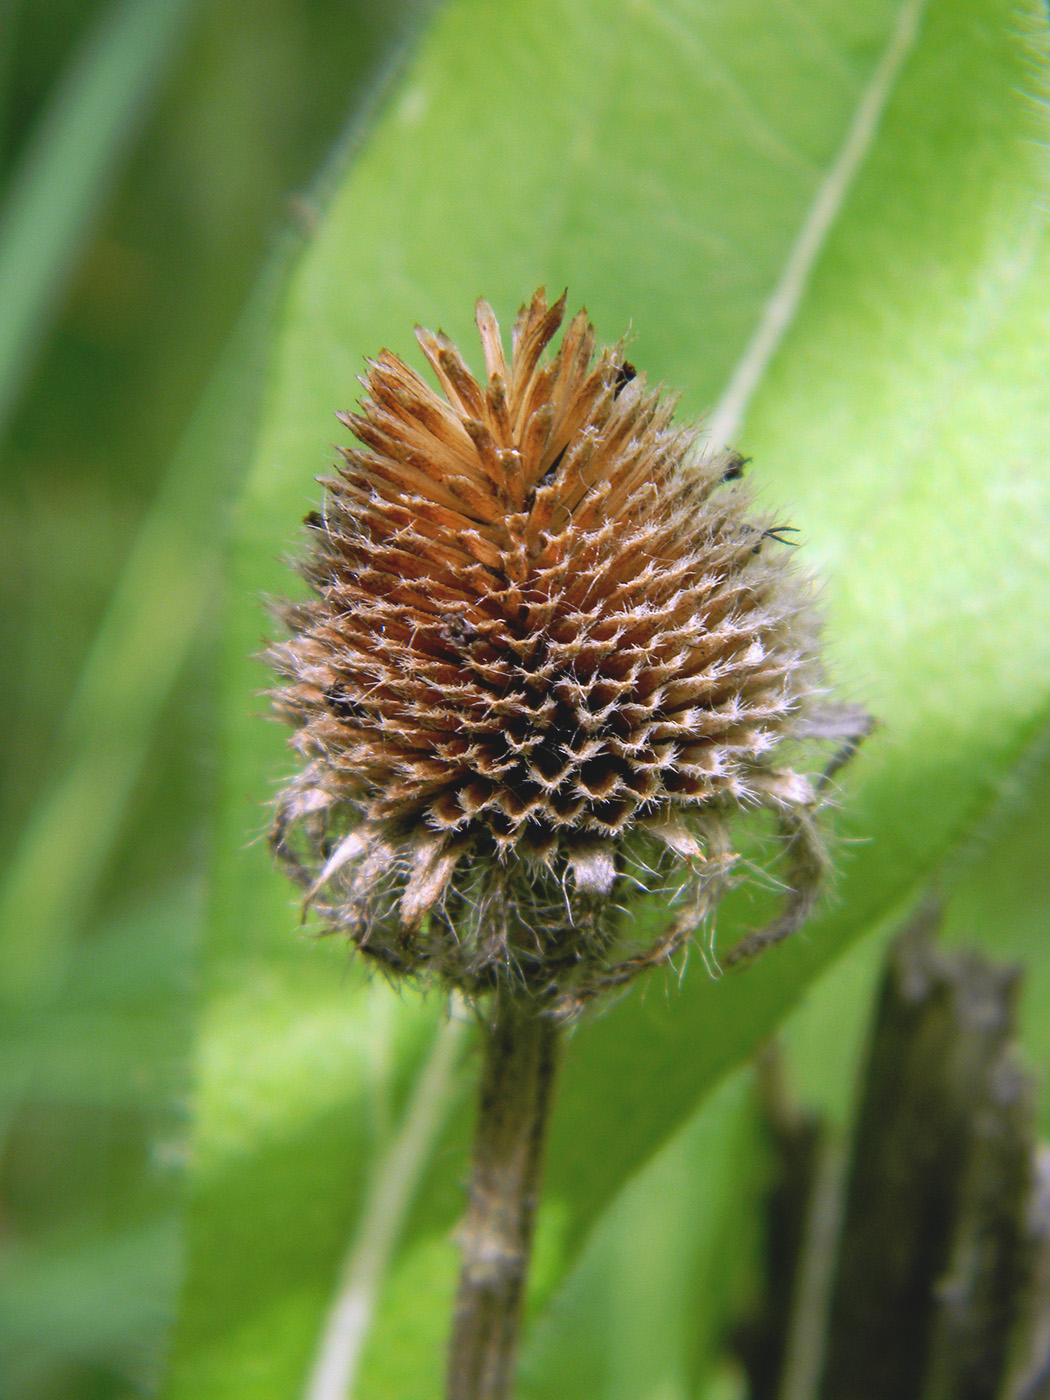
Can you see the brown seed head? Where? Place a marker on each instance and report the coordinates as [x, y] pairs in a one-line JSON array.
[[550, 645]]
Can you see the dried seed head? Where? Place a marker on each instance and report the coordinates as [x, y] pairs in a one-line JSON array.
[[550, 645]]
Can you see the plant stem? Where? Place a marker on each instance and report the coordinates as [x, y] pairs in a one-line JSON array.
[[520, 1056]]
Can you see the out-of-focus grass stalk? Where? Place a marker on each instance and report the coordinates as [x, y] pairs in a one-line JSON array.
[[68, 166], [158, 605], [160, 601], [8, 24]]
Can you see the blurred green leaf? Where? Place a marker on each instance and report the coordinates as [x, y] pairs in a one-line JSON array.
[[837, 211], [100, 1297], [95, 1084], [116, 1031], [69, 166], [8, 28]]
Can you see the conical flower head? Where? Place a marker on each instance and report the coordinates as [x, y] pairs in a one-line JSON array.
[[548, 633]]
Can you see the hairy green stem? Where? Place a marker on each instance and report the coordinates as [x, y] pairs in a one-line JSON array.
[[520, 1058]]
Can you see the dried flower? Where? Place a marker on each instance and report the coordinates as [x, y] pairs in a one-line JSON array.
[[551, 646]]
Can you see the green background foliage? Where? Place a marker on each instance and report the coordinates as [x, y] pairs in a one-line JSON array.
[[668, 162]]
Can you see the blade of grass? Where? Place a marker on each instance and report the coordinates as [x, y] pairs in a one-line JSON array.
[[391, 1193], [8, 27], [69, 164], [92, 1169], [155, 613], [156, 610]]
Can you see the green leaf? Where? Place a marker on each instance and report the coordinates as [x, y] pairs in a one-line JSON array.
[[825, 222], [906, 418]]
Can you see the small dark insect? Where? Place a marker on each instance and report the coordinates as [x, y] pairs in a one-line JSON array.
[[735, 465], [777, 532], [552, 468], [461, 632], [342, 705], [625, 372]]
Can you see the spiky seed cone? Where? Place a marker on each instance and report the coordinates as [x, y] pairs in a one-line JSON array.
[[549, 639]]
